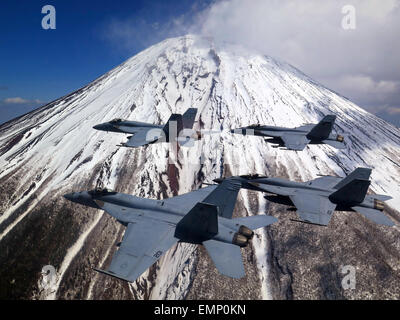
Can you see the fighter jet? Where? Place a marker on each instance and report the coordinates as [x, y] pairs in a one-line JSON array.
[[202, 217], [316, 200], [176, 129], [297, 138]]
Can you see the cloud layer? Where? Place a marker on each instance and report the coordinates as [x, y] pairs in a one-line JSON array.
[[19, 100], [15, 106], [362, 64]]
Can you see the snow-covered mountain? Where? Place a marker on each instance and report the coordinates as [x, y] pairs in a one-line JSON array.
[[54, 150]]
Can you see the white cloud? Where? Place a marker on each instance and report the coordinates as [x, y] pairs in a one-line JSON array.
[[362, 64], [19, 100], [16, 100]]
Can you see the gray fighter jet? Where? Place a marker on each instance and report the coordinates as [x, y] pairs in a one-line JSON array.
[[316, 200], [297, 138], [202, 217], [146, 133]]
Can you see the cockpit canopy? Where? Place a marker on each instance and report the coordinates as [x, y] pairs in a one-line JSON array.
[[101, 191], [116, 120], [252, 176], [254, 125]]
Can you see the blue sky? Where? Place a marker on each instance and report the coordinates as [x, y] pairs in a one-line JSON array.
[[91, 37], [38, 66]]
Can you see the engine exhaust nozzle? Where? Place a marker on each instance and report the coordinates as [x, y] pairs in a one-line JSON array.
[[248, 233], [240, 240], [379, 205]]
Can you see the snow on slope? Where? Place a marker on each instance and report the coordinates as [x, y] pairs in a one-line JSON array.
[[54, 150]]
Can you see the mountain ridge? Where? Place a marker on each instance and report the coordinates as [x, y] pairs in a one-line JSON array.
[[54, 150]]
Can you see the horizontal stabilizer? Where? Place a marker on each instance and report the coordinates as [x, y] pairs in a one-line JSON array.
[[335, 144], [374, 215], [381, 197], [256, 222], [227, 258]]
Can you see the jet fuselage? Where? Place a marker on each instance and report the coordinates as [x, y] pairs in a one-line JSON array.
[[284, 187], [134, 208]]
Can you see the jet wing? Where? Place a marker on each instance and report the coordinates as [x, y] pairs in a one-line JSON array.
[[306, 127], [313, 208], [283, 191], [144, 136], [127, 129], [143, 244], [267, 133], [295, 142], [335, 144], [223, 196], [187, 201], [327, 182], [374, 215]]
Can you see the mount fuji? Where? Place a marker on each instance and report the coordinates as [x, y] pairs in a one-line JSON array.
[[53, 150]]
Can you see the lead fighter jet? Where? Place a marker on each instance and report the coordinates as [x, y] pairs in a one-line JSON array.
[[154, 226], [297, 138], [146, 133], [316, 200]]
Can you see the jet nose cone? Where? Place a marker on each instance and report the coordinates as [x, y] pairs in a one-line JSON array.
[[98, 127], [69, 196]]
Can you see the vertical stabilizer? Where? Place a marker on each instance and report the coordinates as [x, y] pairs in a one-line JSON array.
[[323, 129]]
